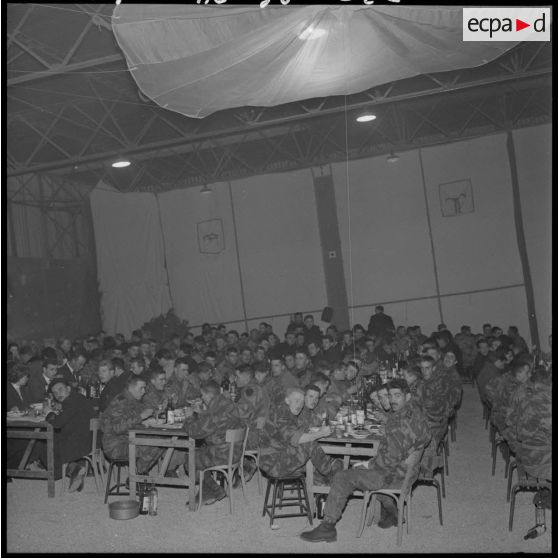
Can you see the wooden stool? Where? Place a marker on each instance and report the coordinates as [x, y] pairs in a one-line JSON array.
[[280, 485], [115, 490]]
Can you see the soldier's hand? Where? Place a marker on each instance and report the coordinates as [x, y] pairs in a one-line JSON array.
[[188, 412], [325, 430], [146, 413]]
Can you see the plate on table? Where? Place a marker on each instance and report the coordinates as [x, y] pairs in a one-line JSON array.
[[359, 434], [15, 414]]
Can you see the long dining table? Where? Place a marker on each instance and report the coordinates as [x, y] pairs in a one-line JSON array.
[[33, 428], [165, 436], [346, 446]]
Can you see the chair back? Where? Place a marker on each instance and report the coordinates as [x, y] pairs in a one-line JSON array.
[[234, 436], [413, 469], [94, 426]]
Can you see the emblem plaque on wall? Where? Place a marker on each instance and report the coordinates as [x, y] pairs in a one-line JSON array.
[[456, 198], [211, 239]]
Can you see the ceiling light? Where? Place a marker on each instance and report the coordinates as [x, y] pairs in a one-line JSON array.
[[366, 117], [206, 190], [392, 157], [312, 32], [121, 163]]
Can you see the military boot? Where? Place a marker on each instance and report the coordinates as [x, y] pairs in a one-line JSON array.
[[324, 532]]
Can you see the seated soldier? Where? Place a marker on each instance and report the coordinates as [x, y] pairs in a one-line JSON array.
[[183, 385], [127, 411], [380, 402], [308, 417], [493, 367], [138, 368], [286, 447], [156, 394], [528, 424], [328, 403], [454, 379], [211, 424], [225, 369], [483, 348], [340, 385], [303, 367], [413, 377], [406, 431], [72, 436], [285, 377], [270, 384], [500, 389]]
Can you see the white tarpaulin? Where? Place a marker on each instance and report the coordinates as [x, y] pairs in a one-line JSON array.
[[197, 60]]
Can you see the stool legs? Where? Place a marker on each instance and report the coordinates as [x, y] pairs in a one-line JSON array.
[[279, 500]]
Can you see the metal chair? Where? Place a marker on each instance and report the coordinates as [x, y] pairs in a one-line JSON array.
[[93, 459], [525, 482], [452, 427], [232, 437], [401, 496], [426, 477], [499, 441]]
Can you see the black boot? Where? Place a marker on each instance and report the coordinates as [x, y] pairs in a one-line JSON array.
[[323, 532]]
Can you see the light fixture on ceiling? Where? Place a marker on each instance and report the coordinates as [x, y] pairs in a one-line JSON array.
[[366, 116], [392, 157], [312, 32], [206, 190], [121, 163]]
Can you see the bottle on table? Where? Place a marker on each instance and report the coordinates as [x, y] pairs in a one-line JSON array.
[[153, 499], [170, 411], [233, 389], [225, 385]]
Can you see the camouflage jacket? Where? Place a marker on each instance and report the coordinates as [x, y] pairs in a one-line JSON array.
[[281, 429], [466, 342], [434, 397], [122, 413], [252, 403], [406, 430], [273, 389], [153, 398], [184, 390], [487, 373], [528, 428], [287, 379], [212, 424], [498, 394], [308, 418], [455, 386]]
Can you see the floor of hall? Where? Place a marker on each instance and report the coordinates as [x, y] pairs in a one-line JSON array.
[[475, 515]]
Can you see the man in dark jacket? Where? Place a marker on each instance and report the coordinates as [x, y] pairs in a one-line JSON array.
[[72, 434], [112, 385], [380, 323]]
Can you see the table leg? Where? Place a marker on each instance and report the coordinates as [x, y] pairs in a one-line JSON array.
[[132, 464], [50, 463], [310, 485], [27, 453], [192, 474]]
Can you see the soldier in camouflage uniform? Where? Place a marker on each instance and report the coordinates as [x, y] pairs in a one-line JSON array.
[[528, 424], [286, 446], [156, 392], [183, 385], [127, 411], [454, 379], [493, 367], [220, 414], [406, 431], [328, 403], [309, 417], [270, 384], [500, 389], [465, 340]]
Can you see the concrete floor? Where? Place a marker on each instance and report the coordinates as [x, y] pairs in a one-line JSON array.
[[475, 516]]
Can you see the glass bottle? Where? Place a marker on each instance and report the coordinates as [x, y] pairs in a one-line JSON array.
[[153, 499], [143, 499], [233, 390], [170, 411]]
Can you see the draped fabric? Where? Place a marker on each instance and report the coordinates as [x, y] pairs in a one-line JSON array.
[[130, 259], [197, 60]]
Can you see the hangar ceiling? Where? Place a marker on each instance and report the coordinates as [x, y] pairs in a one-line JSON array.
[[72, 107]]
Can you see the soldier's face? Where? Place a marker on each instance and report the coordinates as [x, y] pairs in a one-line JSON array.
[[276, 367], [311, 399], [427, 369], [233, 358], [159, 382], [181, 371], [410, 378], [137, 390], [312, 349], [449, 360], [398, 399], [133, 351], [326, 344], [383, 397], [50, 371], [260, 376], [434, 353], [351, 372], [300, 361], [289, 361], [136, 368], [295, 401], [483, 349], [60, 392], [105, 374]]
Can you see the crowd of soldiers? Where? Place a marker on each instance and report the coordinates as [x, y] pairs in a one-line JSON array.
[[285, 392]]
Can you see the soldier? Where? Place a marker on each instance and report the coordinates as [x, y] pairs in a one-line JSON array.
[[286, 447], [328, 403], [112, 385], [270, 384], [499, 391], [284, 376], [211, 424], [528, 424], [413, 377], [226, 368], [303, 367], [127, 411], [492, 368], [309, 417], [454, 380], [156, 394], [465, 340], [183, 385], [406, 431], [483, 348]]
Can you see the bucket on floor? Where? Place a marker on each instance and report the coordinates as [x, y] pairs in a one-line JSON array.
[[123, 509]]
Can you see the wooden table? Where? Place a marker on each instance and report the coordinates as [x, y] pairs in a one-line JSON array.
[[348, 447], [33, 429], [170, 438]]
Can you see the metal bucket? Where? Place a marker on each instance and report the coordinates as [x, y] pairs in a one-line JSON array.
[[124, 509]]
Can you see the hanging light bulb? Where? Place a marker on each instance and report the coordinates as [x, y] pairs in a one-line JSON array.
[[392, 157], [206, 190]]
